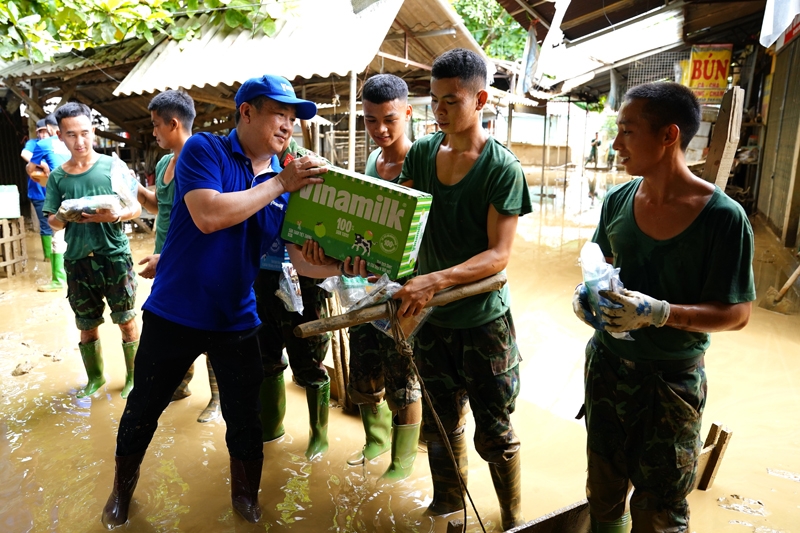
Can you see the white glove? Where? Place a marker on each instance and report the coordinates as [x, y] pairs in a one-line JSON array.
[[636, 311]]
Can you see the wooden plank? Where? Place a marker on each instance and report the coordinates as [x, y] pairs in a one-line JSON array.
[[714, 460], [597, 13], [33, 105], [701, 16], [725, 138], [571, 519], [791, 218], [199, 96], [5, 231]]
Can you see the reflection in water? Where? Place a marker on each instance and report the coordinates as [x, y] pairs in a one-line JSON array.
[[57, 452]]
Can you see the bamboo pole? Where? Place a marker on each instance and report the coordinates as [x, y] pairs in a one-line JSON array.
[[377, 312]]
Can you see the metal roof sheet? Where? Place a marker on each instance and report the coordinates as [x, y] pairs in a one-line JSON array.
[[102, 57], [322, 37]]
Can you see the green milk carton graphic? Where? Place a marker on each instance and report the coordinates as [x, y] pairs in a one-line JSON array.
[[355, 215]]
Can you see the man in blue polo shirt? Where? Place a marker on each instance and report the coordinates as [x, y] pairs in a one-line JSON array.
[[44, 155], [227, 194]]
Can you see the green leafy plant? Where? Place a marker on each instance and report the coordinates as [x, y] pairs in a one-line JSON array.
[[496, 31], [38, 29]]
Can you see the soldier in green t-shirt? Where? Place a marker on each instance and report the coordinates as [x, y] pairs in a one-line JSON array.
[[98, 257], [466, 352], [172, 114], [382, 381], [685, 253]]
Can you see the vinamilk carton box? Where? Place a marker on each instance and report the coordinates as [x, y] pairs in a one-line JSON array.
[[355, 215]]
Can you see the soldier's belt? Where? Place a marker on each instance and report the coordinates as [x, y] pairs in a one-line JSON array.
[[652, 367]]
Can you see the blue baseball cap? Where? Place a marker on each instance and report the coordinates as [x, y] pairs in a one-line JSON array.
[[279, 89]]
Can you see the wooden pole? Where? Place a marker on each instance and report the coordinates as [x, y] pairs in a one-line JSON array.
[[351, 138], [377, 312]]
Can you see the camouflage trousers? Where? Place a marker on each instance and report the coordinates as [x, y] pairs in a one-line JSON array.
[[93, 278], [643, 424], [477, 366], [378, 371], [277, 331]]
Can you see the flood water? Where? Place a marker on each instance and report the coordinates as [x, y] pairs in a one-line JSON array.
[[56, 451]]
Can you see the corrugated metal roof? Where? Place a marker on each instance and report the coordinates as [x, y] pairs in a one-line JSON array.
[[103, 57], [419, 16], [322, 37]]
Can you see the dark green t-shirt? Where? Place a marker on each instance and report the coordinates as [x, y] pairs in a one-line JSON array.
[[165, 194], [83, 239], [457, 225], [710, 261], [371, 168]]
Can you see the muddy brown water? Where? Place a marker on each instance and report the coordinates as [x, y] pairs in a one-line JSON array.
[[56, 451]]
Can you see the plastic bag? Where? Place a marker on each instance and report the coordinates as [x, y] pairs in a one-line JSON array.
[[600, 276], [383, 290], [289, 289], [123, 182], [349, 290], [357, 293], [71, 210]]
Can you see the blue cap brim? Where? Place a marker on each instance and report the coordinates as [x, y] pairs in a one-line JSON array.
[[305, 110]]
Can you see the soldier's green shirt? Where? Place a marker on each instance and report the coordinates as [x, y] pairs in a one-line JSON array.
[[371, 168], [165, 194], [85, 238], [710, 261], [457, 224]]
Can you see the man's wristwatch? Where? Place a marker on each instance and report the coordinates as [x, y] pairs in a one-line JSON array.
[[119, 219]]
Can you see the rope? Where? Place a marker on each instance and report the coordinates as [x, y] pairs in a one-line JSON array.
[[404, 349]]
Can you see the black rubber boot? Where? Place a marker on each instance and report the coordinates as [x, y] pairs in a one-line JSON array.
[[447, 492], [507, 480], [126, 474], [245, 480]]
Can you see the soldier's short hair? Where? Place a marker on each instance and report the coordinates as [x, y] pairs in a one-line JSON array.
[[463, 64], [174, 104], [72, 109], [668, 103], [384, 88]]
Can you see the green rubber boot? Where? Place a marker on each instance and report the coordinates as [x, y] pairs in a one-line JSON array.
[[59, 280], [92, 355], [404, 452], [507, 480], [377, 420], [620, 525], [47, 246], [447, 491], [318, 400], [129, 351], [273, 407]]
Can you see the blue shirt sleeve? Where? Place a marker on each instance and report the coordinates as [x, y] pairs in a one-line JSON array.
[[39, 153], [199, 166], [30, 145]]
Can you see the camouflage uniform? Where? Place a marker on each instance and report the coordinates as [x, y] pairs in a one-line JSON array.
[[97, 276], [479, 365], [376, 367], [643, 422], [277, 331]]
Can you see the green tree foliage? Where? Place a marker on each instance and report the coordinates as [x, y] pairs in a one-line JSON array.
[[496, 31], [38, 29]]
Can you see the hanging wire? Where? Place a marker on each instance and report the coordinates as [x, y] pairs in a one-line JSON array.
[[404, 348]]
